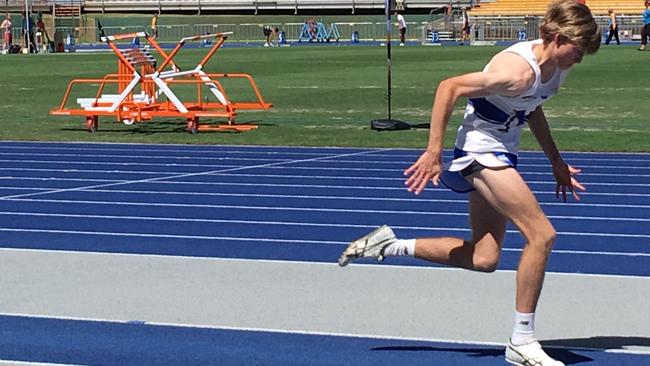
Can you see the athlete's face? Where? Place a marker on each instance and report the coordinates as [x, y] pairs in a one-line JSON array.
[[568, 54]]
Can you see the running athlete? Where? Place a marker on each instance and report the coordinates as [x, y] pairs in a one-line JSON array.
[[506, 95]]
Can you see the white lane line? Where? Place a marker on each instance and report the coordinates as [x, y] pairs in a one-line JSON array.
[[302, 241], [294, 187], [28, 363], [301, 177], [297, 262], [129, 149], [158, 204], [174, 176], [407, 159], [304, 332], [275, 208], [170, 162], [289, 150], [394, 172], [139, 162], [288, 208]]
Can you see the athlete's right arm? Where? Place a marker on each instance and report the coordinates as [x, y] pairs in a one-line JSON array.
[[508, 74]]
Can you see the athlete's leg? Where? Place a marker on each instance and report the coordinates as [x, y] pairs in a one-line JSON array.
[[505, 190], [481, 253], [609, 36]]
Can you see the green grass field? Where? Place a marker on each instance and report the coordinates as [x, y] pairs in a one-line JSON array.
[[326, 96]]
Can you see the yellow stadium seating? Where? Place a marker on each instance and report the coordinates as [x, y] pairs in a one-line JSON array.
[[538, 7]]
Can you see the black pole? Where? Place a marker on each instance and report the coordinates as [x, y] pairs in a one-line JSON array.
[[388, 29], [389, 124]]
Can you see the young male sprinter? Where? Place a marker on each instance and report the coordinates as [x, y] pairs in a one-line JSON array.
[[501, 99]]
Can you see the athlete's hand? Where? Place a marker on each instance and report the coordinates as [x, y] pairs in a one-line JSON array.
[[565, 179], [427, 168]]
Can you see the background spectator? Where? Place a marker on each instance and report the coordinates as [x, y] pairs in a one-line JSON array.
[[613, 27], [6, 32], [271, 34], [401, 27], [467, 27], [645, 32], [154, 26]]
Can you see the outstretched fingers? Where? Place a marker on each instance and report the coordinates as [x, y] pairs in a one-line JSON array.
[[426, 169], [573, 185], [418, 180]]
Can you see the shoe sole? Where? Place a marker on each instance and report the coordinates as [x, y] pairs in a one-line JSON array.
[[344, 260], [517, 363]]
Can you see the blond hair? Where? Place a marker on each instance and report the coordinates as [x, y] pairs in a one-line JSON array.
[[573, 22]]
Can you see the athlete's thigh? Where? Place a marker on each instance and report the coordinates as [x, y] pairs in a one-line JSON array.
[[507, 192], [486, 220]]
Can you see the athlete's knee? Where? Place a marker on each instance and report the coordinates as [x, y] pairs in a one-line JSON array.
[[486, 262], [544, 239], [486, 256]]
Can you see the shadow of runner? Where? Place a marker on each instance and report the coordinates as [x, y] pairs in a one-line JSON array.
[[567, 356], [599, 342]]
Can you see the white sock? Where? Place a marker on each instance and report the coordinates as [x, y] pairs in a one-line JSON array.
[[401, 247], [524, 329]]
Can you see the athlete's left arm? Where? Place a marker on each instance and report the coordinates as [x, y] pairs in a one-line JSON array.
[[564, 173]]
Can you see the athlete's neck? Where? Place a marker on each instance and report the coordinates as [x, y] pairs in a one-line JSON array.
[[544, 56]]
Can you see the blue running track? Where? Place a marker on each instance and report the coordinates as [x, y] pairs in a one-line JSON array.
[[289, 204]]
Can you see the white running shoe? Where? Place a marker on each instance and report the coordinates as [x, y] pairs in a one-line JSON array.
[[530, 354], [371, 245]]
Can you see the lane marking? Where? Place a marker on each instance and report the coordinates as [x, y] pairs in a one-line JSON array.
[[305, 332], [277, 208], [325, 159], [348, 198], [28, 363], [175, 176], [303, 177], [383, 266], [326, 242], [410, 152], [274, 166], [129, 203], [294, 187]]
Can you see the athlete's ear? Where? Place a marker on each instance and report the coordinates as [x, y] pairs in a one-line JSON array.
[[559, 39]]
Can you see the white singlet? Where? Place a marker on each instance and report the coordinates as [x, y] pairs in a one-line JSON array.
[[492, 125]]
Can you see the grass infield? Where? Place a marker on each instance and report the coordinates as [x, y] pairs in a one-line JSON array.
[[327, 96]]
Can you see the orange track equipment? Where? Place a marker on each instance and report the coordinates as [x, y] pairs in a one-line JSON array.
[[137, 67]]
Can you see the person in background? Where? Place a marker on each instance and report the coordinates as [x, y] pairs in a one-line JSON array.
[[271, 34], [613, 27], [501, 99], [6, 32], [40, 34], [154, 26], [645, 31], [467, 27], [401, 27]]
